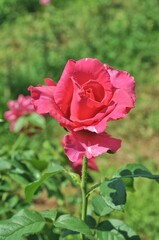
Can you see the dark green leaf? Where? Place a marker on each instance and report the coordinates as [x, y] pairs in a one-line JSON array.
[[69, 232], [114, 193], [114, 229], [90, 221], [32, 187], [74, 224], [135, 170], [100, 206], [24, 223]]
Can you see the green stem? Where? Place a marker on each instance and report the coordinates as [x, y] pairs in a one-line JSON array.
[[84, 191]]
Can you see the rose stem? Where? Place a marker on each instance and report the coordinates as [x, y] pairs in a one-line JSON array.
[[84, 190]]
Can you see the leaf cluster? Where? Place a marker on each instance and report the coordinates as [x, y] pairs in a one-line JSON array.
[[111, 196]]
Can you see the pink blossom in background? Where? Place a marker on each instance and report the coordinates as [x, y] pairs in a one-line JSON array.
[[18, 108], [43, 2]]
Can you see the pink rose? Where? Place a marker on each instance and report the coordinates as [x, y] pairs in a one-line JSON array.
[[18, 108], [87, 96]]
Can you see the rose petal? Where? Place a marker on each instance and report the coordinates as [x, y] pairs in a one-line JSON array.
[[123, 80], [81, 106], [98, 123], [83, 143], [90, 68], [80, 71], [43, 100], [49, 82], [64, 89], [124, 95]]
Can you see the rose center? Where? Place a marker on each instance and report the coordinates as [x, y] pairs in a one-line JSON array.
[[93, 90], [89, 93]]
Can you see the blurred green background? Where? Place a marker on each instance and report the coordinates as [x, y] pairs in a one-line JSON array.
[[37, 40]]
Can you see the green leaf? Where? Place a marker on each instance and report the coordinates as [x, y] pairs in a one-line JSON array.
[[33, 119], [114, 229], [52, 214], [37, 120], [19, 179], [93, 188], [100, 206], [20, 123], [5, 164], [24, 223], [74, 224], [129, 183], [135, 170], [114, 235], [4, 209], [38, 163], [75, 177], [66, 233], [91, 222], [32, 187], [114, 193], [13, 201]]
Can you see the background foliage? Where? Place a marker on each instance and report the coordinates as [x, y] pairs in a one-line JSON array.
[[35, 43]]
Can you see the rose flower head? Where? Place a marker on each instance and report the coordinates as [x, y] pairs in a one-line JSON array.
[[22, 116], [87, 96]]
